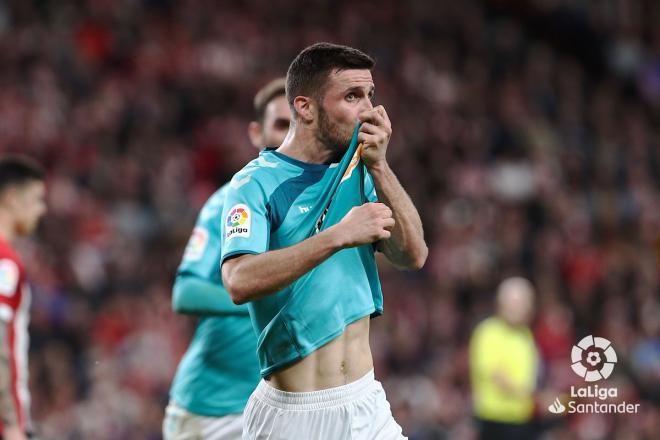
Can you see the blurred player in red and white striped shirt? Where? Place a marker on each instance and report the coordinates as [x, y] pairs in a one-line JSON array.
[[22, 203]]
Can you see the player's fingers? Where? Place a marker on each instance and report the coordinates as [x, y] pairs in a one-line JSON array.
[[383, 122], [367, 139], [374, 117], [370, 128], [367, 115], [371, 209], [389, 223], [385, 212], [385, 234], [381, 111], [381, 133], [379, 206], [378, 117]]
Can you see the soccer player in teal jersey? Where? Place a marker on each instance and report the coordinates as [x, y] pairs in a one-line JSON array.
[[301, 225], [220, 369]]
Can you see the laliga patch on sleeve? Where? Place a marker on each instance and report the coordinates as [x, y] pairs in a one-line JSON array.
[[9, 275], [197, 244], [238, 222]]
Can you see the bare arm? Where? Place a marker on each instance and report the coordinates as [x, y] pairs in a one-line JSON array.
[[249, 277], [406, 247]]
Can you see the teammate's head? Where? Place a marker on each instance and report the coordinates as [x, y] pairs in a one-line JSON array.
[[271, 115], [327, 87], [22, 193], [515, 301]]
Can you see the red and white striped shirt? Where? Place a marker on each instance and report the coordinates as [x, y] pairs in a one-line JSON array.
[[15, 300]]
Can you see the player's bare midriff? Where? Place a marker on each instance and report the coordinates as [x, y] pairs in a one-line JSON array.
[[341, 361]]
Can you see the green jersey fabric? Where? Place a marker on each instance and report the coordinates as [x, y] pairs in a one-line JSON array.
[[219, 370], [276, 201]]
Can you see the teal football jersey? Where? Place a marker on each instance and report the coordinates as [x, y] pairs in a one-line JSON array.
[[276, 201], [202, 254], [219, 370]]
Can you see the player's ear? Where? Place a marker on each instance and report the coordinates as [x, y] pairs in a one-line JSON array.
[[304, 106], [10, 198], [255, 134]]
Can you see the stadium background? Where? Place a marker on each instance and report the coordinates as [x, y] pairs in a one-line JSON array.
[[525, 131]]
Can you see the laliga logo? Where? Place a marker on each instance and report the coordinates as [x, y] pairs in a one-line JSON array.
[[237, 217], [557, 407], [238, 222], [593, 358]]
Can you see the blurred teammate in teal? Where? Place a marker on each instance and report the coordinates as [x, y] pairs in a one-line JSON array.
[[219, 370], [301, 225]]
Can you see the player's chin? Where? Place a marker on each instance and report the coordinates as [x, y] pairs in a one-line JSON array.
[[346, 138], [342, 142]]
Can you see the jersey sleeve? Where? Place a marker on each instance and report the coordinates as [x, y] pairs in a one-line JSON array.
[[245, 218], [202, 254], [10, 277]]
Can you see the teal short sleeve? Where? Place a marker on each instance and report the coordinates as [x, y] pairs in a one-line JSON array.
[[245, 218], [202, 254]]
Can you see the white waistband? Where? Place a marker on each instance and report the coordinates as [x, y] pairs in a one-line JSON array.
[[315, 399]]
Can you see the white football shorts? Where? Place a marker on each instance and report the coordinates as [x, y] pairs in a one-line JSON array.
[[180, 424], [357, 411]]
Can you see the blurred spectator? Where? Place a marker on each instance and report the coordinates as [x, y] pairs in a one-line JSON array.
[[504, 365]]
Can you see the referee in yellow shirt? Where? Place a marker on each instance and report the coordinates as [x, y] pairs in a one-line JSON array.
[[504, 365]]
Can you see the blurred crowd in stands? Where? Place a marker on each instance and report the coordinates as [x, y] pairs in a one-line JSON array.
[[526, 132]]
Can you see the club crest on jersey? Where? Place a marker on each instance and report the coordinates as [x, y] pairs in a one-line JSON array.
[[238, 222]]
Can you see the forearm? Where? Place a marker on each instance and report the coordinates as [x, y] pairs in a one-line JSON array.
[[251, 277], [406, 247], [8, 413], [196, 296]]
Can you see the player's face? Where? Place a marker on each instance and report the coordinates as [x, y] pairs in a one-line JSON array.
[[277, 117], [30, 206], [347, 94]]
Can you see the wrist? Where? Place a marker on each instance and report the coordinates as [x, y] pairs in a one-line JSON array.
[[378, 167], [335, 238]]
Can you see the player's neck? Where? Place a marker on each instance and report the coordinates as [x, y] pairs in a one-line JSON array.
[[303, 145]]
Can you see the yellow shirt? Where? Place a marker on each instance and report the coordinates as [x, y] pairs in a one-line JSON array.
[[497, 346]]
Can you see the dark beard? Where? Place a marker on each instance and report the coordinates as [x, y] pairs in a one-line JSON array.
[[331, 137]]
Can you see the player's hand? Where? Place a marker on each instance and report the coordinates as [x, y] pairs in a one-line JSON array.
[[365, 224], [13, 433], [374, 134]]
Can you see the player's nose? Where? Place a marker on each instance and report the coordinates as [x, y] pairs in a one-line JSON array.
[[367, 105]]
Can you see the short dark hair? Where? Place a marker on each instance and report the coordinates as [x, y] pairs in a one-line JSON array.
[[267, 93], [17, 170], [308, 73]]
